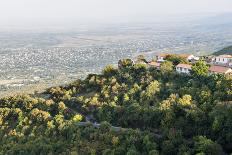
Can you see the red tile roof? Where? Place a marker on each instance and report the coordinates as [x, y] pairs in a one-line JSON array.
[[184, 55], [219, 69], [156, 64], [181, 55], [163, 55], [184, 66], [225, 56]]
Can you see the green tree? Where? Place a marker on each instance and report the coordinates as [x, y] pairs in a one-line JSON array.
[[152, 88], [109, 70], [207, 146], [200, 69], [123, 63], [176, 59], [77, 118], [166, 67]]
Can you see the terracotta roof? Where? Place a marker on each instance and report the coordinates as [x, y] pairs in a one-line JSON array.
[[181, 55], [225, 56], [184, 55], [163, 55], [184, 66], [156, 64], [219, 69]]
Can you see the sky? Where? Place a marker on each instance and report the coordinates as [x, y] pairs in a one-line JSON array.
[[20, 12]]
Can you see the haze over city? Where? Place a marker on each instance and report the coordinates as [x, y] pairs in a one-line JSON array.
[[59, 13]]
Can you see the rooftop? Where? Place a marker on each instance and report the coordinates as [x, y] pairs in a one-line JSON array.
[[219, 69], [184, 66], [184, 55], [156, 64], [225, 56], [163, 55]]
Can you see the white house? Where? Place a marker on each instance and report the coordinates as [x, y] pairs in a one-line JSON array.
[[223, 60], [161, 57], [189, 57], [183, 68]]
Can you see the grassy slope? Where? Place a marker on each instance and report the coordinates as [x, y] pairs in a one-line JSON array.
[[226, 50]]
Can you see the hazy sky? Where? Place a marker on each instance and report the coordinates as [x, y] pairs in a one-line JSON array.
[[58, 11]]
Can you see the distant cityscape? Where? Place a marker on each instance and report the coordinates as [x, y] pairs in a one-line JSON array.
[[46, 59]]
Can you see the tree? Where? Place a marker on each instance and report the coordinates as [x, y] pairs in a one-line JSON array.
[[132, 152], [207, 146], [123, 63], [77, 118], [176, 59], [141, 59], [166, 67], [185, 100], [168, 148], [153, 152], [152, 88], [109, 70], [200, 69]]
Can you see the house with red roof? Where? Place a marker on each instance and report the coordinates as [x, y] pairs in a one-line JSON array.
[[154, 64], [188, 57], [183, 68], [161, 57], [220, 70]]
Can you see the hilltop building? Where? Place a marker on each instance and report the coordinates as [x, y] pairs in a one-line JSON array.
[[220, 70], [154, 64], [183, 68], [188, 57], [161, 57], [224, 60]]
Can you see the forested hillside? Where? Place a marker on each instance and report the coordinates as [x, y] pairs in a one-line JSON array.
[[226, 50], [142, 111]]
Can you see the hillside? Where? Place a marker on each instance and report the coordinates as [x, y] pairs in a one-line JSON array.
[[135, 110], [226, 50]]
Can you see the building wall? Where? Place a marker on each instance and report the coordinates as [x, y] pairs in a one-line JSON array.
[[222, 60], [160, 59], [190, 57], [182, 70], [229, 71]]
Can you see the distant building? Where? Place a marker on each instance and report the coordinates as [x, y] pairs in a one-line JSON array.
[[189, 57], [183, 68], [161, 57], [140, 60], [220, 70], [154, 64], [225, 60]]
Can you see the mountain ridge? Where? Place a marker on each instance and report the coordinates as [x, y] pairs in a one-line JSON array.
[[226, 50]]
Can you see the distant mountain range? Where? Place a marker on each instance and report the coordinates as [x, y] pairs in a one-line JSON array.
[[221, 19], [215, 22], [226, 50]]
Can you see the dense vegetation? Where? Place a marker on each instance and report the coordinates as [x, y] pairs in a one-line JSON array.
[[157, 112], [226, 50]]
